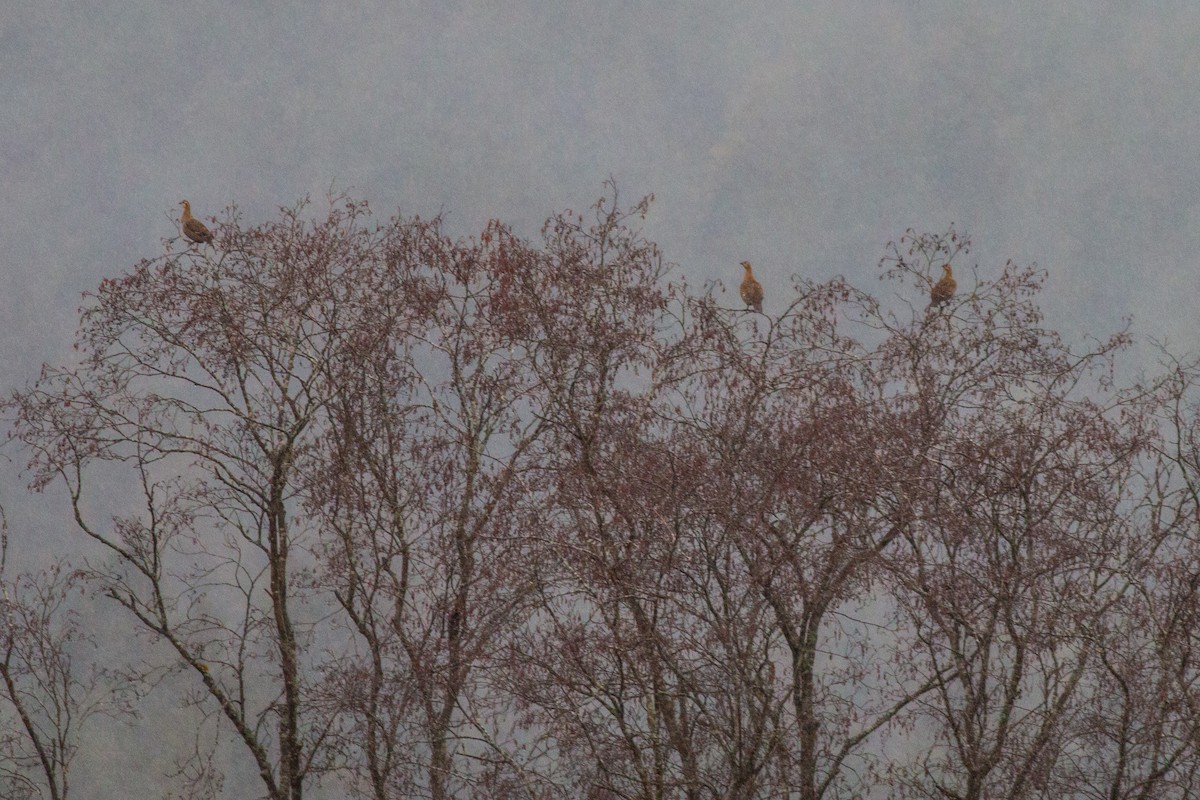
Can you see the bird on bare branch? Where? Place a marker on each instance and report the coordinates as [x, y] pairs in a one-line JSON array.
[[751, 290], [943, 290], [193, 228]]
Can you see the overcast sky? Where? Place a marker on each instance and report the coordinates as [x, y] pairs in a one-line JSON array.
[[800, 136]]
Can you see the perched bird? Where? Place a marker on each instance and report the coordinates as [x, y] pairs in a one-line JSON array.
[[193, 228], [943, 290], [751, 289]]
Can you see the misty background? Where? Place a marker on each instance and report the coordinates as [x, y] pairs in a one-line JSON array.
[[800, 136]]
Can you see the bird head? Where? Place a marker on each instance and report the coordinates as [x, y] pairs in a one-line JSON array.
[[746, 265], [186, 205], [946, 270]]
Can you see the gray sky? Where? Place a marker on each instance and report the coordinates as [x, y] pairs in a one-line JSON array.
[[800, 136]]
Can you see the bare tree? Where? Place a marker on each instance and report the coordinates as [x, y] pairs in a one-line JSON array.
[[49, 691], [208, 378], [451, 518], [429, 495], [1022, 502], [712, 525], [1140, 722]]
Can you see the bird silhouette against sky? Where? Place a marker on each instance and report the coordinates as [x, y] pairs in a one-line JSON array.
[[751, 290], [193, 228]]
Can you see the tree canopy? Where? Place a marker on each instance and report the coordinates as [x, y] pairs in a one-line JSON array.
[[418, 516]]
